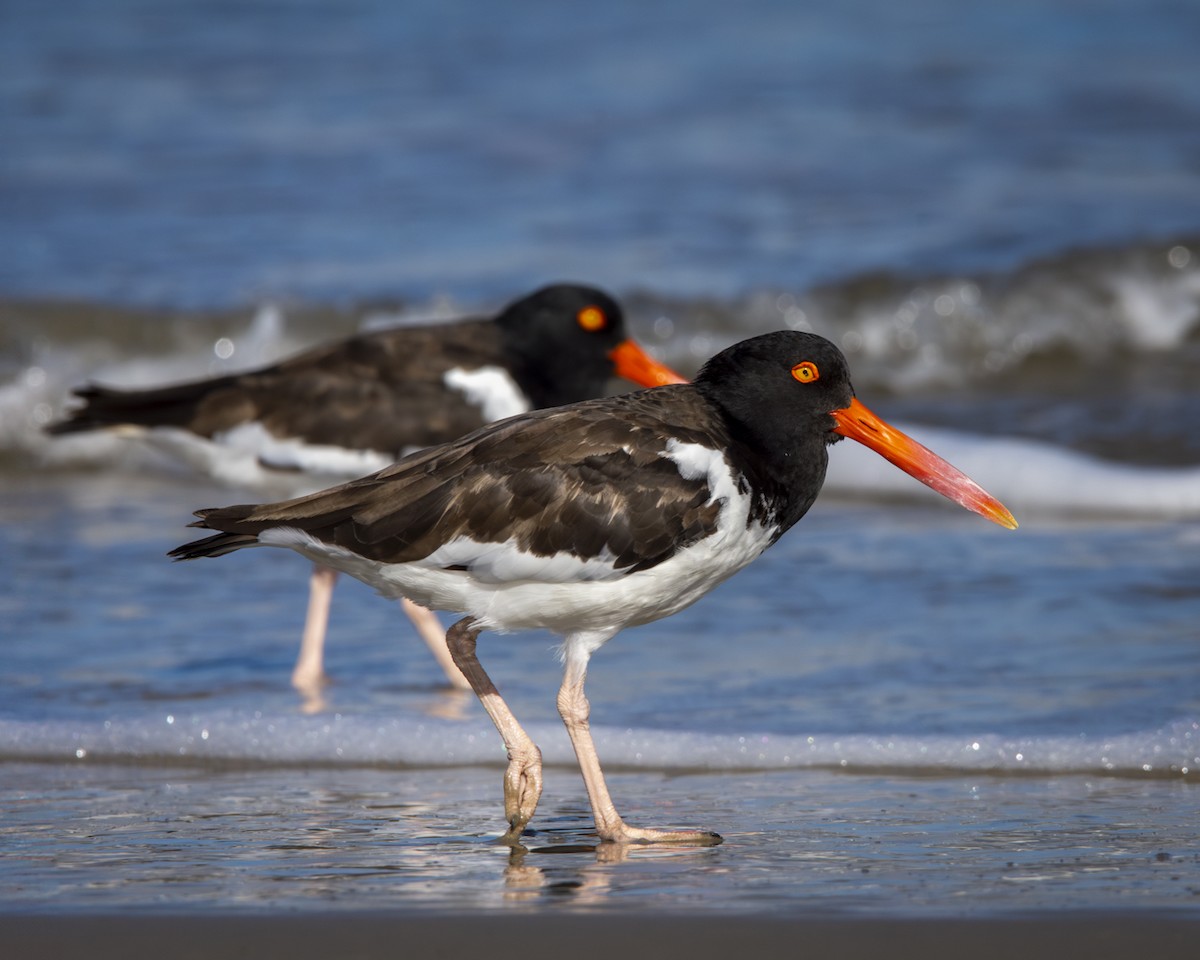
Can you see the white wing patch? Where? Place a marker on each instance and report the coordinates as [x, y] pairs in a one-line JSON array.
[[736, 541], [698, 462], [695, 461], [491, 389]]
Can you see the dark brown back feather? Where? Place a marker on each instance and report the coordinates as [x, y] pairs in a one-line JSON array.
[[578, 480]]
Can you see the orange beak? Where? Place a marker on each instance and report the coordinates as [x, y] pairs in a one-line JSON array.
[[859, 423], [634, 363]]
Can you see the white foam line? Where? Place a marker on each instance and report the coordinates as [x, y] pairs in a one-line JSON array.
[[257, 739]]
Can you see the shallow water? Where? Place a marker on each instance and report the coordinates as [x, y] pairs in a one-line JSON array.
[[806, 844], [1009, 723]]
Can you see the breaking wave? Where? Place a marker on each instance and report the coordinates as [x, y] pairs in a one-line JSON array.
[[256, 739]]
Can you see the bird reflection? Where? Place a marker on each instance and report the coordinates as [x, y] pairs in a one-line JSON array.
[[542, 871]]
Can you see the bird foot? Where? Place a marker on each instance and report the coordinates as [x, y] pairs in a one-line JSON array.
[[309, 681], [312, 693], [522, 790], [623, 833]]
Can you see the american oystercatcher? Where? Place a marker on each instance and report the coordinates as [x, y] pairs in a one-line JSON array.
[[592, 517], [347, 408]]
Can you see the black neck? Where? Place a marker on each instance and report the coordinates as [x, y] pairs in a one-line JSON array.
[[783, 461]]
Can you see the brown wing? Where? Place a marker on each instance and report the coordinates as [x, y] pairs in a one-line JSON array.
[[585, 480], [378, 391]]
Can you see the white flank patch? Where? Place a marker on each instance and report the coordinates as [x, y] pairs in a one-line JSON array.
[[324, 459], [510, 590], [505, 563], [251, 458], [491, 389]]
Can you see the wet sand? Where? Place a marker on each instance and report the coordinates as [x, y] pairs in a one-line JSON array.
[[1097, 936]]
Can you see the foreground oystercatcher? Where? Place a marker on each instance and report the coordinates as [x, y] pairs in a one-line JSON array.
[[592, 517], [347, 408]]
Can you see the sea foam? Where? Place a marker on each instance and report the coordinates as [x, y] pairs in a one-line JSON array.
[[258, 739]]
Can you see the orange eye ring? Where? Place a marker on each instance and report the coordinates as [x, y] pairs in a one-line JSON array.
[[592, 319], [806, 372]]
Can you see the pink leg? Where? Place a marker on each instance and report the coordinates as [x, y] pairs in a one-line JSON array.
[[574, 709], [523, 778], [308, 676]]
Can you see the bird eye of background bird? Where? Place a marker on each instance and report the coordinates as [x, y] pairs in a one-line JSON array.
[[592, 319]]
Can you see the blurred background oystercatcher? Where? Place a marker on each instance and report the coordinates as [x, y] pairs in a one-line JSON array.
[[346, 408]]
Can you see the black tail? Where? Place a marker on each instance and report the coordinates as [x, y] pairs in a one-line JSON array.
[[173, 406], [221, 543], [215, 546]]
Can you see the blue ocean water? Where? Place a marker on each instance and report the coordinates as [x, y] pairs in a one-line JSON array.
[[994, 209], [190, 154]]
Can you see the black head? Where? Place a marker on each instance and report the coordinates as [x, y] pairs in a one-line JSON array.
[[566, 341], [776, 393], [786, 397], [782, 387]]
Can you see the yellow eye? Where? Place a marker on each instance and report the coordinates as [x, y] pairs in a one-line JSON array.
[[806, 372], [592, 319]]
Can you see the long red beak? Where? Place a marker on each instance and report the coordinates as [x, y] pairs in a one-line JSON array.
[[634, 363], [859, 423]]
